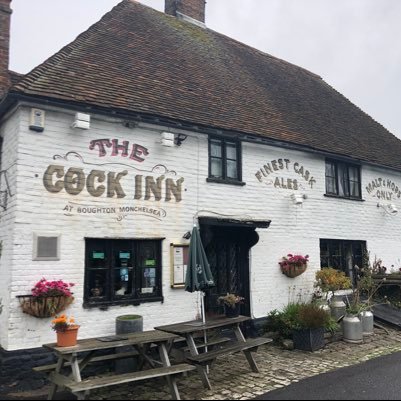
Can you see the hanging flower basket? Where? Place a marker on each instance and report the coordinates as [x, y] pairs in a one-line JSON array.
[[43, 307], [294, 265], [292, 271]]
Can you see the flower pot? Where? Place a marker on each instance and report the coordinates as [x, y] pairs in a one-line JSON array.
[[309, 339], [44, 307], [292, 270], [67, 338], [232, 312], [127, 324]]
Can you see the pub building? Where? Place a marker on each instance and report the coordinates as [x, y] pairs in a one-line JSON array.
[[149, 123]]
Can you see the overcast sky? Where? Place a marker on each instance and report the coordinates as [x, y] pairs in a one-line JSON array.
[[354, 45]]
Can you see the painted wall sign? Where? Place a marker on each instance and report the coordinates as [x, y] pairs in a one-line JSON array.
[[121, 212], [157, 183], [135, 152], [384, 189], [99, 183], [269, 170], [103, 183]]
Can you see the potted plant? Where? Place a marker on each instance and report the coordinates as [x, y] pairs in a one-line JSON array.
[[309, 326], [66, 329], [231, 304], [47, 298], [293, 265], [331, 280]]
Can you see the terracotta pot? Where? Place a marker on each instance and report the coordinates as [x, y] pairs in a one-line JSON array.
[[67, 338]]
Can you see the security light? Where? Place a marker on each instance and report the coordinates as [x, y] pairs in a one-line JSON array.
[[389, 208]]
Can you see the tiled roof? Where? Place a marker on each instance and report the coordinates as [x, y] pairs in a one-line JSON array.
[[140, 60], [15, 77]]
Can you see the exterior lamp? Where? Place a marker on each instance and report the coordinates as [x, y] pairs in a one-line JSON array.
[[390, 208], [167, 139], [187, 235], [298, 199]]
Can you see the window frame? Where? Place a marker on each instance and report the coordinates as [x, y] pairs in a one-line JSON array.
[[111, 245], [225, 179], [343, 246], [346, 167]]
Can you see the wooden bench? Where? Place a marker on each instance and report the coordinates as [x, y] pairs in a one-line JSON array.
[[211, 343], [250, 345], [122, 355], [111, 380]]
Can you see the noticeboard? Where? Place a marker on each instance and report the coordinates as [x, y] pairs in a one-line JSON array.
[[179, 264]]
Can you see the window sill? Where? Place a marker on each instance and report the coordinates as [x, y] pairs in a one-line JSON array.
[[125, 302], [344, 198], [226, 182]]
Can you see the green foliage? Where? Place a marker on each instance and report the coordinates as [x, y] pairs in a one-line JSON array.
[[297, 316], [311, 316], [332, 280], [275, 323]]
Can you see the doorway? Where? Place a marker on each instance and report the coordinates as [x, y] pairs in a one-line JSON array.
[[227, 246]]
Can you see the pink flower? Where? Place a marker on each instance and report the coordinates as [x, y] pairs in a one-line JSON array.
[[44, 288]]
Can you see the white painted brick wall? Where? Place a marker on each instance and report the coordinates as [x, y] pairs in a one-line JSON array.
[[9, 133], [295, 229]]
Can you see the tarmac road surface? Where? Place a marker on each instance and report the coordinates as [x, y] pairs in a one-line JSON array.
[[377, 379]]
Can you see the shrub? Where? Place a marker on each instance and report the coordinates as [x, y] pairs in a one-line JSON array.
[[332, 280], [311, 316], [296, 316]]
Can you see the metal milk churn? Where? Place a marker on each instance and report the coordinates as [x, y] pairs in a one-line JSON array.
[[367, 322], [337, 306], [352, 329]]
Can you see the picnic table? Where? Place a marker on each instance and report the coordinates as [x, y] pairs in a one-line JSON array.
[[227, 346], [76, 358]]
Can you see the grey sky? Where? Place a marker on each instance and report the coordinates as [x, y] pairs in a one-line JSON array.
[[354, 45]]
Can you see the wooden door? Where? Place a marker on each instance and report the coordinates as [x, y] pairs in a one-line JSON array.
[[227, 250]]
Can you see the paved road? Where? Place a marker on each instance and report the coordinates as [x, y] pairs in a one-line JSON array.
[[377, 379]]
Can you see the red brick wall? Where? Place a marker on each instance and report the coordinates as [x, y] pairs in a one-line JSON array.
[[192, 8], [5, 17]]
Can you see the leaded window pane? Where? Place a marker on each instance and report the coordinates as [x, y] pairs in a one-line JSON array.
[[215, 149], [216, 168], [231, 150], [232, 171]]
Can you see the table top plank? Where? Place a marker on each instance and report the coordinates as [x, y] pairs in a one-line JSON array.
[[94, 344], [197, 325]]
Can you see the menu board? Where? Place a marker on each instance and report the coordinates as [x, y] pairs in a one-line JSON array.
[[179, 265]]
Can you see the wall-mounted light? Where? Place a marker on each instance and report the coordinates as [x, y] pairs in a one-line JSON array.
[[167, 139], [180, 138], [389, 208], [170, 140], [82, 121], [187, 235], [298, 198]]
